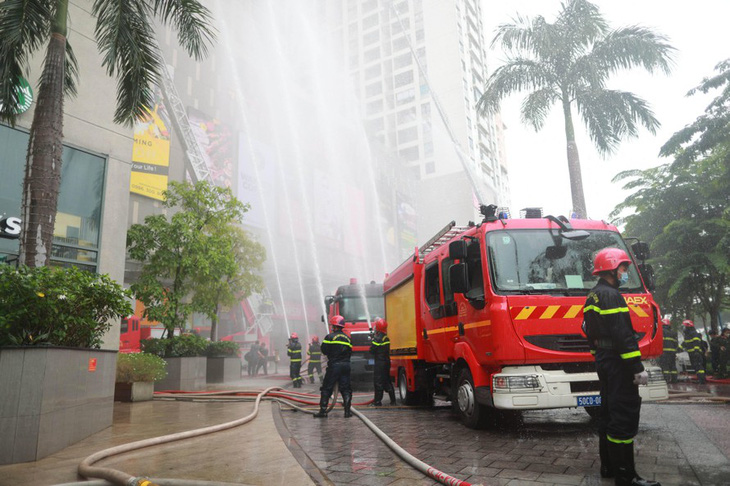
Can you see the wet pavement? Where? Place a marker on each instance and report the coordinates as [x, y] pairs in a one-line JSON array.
[[679, 443]]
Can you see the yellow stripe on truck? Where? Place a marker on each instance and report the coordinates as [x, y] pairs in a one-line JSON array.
[[550, 311]]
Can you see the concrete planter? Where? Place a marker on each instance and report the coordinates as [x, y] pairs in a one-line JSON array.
[[223, 369], [184, 374], [52, 398], [138, 391]]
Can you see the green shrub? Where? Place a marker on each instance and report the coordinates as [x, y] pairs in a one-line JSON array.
[[223, 348], [133, 367], [175, 347], [58, 306]]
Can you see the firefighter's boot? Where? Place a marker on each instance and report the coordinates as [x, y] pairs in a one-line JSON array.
[[606, 466], [322, 408], [391, 392], [378, 400], [622, 459], [347, 403]]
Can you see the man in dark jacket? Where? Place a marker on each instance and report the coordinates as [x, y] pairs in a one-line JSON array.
[[613, 343], [668, 359], [314, 356], [693, 345], [294, 350], [380, 349], [338, 349]]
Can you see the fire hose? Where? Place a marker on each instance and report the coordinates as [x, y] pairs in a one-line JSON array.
[[290, 399]]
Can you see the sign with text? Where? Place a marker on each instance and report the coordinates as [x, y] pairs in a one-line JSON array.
[[151, 153]]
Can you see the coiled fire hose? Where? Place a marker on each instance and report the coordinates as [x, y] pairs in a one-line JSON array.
[[290, 399]]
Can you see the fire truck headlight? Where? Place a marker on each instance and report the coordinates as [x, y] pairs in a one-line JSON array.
[[503, 383]]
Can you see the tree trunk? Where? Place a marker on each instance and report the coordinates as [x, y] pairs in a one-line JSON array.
[[43, 161], [214, 324], [576, 181]]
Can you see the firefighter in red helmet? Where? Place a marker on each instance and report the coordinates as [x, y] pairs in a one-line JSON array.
[[613, 343], [380, 349], [294, 351], [693, 344], [668, 359], [338, 349], [314, 355]]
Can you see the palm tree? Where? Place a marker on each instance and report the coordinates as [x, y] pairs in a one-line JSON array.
[[570, 61], [125, 37]]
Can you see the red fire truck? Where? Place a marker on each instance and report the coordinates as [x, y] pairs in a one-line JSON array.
[[489, 316], [131, 333], [360, 305]]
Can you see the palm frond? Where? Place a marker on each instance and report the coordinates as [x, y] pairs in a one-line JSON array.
[[612, 115], [631, 47], [24, 26], [536, 107], [193, 22], [515, 76], [126, 40], [71, 75], [580, 23]]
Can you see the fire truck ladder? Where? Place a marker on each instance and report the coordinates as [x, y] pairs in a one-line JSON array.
[[445, 235], [181, 123]]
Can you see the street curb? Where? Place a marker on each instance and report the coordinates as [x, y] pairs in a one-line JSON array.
[[318, 476]]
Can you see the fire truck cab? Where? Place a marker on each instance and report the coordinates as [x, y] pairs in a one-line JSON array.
[[489, 316], [360, 305]]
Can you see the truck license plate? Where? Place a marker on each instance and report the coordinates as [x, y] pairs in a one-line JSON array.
[[589, 401]]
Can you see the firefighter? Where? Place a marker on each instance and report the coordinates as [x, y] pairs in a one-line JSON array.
[[668, 359], [380, 349], [613, 343], [693, 345], [294, 350], [338, 349], [314, 353]]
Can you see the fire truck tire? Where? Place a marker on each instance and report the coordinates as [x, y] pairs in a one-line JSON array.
[[407, 397], [474, 415]]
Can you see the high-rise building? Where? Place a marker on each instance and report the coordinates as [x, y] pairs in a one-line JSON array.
[[418, 67]]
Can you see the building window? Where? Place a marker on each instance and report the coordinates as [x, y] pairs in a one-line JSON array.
[[407, 116], [405, 96], [403, 79], [373, 89], [402, 61], [371, 21], [371, 37], [78, 216], [369, 5], [428, 152], [410, 154], [374, 107], [372, 54], [373, 71], [400, 44], [407, 135]]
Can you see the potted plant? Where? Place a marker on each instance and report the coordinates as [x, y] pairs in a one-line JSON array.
[[52, 370], [185, 359], [136, 376], [224, 361]]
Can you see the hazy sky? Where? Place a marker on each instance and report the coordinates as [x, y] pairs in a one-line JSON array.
[[537, 161]]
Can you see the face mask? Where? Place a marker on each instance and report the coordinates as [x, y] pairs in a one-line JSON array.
[[623, 278]]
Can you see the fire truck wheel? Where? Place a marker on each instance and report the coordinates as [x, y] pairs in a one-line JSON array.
[[407, 397], [473, 414]]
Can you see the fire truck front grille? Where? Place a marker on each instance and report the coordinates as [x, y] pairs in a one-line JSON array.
[[571, 343], [360, 338]]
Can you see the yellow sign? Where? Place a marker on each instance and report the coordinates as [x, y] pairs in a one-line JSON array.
[[151, 153]]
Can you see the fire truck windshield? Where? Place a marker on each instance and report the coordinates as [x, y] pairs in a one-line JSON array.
[[540, 261], [356, 308]]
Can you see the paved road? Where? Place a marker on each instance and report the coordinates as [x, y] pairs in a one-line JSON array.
[[677, 444]]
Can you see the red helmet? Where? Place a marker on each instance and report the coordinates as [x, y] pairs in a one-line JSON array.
[[294, 335], [609, 259], [337, 320], [381, 325], [688, 323], [315, 338], [666, 322]]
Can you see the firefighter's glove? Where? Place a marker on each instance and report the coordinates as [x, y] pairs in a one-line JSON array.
[[641, 378]]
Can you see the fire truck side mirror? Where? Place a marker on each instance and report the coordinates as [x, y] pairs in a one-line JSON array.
[[458, 278], [641, 250], [457, 250], [328, 301]]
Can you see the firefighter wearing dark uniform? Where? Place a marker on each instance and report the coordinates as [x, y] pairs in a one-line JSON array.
[[338, 349], [294, 350], [668, 359], [380, 349], [314, 353], [693, 345], [614, 345]]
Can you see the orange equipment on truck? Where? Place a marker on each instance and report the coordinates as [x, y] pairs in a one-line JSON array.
[[489, 315], [360, 305]]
